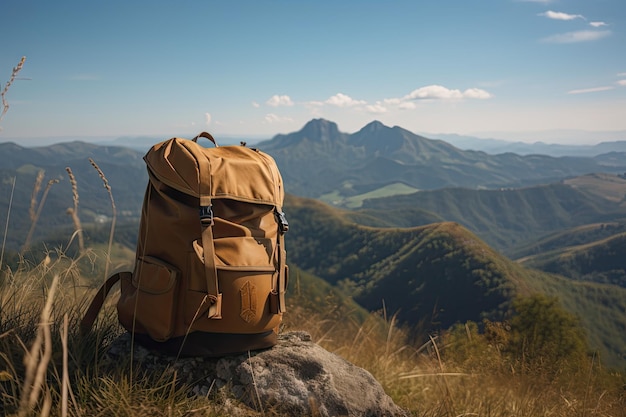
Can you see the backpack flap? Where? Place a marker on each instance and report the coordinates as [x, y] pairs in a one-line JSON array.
[[234, 172]]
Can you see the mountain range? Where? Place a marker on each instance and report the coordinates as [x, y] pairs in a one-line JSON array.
[[322, 162], [392, 219]]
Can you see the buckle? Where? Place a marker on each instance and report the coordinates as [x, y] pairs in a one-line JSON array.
[[206, 215], [283, 225]]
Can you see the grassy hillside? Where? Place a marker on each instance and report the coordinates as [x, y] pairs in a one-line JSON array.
[[599, 261], [603, 186], [574, 236], [437, 275]]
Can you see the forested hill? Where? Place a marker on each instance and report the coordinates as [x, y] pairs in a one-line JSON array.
[[506, 218], [435, 275]]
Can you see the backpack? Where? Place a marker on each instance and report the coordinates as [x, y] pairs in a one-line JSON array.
[[210, 273]]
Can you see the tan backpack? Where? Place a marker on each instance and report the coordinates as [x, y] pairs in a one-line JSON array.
[[210, 273]]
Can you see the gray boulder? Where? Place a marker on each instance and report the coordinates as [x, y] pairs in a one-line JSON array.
[[296, 377]]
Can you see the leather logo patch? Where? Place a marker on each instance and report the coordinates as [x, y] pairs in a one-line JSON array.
[[248, 302]]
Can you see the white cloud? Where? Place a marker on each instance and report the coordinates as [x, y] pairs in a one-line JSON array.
[[476, 93], [621, 83], [377, 108], [342, 100], [314, 103], [579, 36], [590, 90], [621, 74], [277, 100], [598, 24], [438, 92], [274, 118], [407, 105], [561, 16], [392, 101], [207, 118], [255, 105]]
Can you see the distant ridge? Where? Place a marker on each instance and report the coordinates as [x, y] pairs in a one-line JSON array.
[[123, 167], [499, 146], [14, 155]]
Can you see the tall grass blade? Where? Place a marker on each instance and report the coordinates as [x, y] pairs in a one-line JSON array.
[[6, 226], [74, 211], [5, 90], [113, 221], [38, 214], [38, 357]]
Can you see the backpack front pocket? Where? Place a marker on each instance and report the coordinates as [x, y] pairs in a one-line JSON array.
[[246, 279]]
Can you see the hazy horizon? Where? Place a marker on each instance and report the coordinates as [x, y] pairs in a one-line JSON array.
[[556, 137]]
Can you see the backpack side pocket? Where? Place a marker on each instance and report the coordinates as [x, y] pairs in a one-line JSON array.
[[148, 302]]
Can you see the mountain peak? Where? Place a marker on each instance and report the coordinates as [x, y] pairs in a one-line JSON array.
[[374, 126], [321, 128]]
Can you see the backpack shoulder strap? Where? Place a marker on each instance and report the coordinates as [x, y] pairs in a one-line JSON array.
[[98, 300]]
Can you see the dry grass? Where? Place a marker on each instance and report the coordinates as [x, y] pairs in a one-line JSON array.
[[114, 215], [429, 379], [73, 211], [6, 225], [40, 306], [34, 215]]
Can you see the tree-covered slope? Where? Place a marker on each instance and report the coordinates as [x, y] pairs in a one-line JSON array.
[[504, 218], [599, 261], [436, 275]]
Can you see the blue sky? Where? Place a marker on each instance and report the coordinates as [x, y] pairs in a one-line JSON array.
[[493, 68]]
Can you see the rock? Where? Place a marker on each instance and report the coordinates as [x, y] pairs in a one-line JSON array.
[[296, 377]]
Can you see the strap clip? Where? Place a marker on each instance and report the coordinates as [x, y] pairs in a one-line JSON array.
[[206, 215], [283, 225]]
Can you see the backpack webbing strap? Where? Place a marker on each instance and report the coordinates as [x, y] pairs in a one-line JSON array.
[[206, 219], [98, 300], [215, 297], [282, 272]]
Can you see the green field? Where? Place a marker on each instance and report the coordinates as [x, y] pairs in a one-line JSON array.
[[336, 199]]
